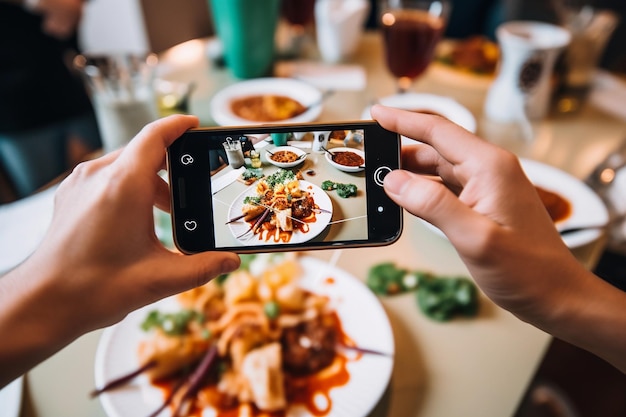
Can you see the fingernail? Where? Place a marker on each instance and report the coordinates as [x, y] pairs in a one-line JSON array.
[[396, 181]]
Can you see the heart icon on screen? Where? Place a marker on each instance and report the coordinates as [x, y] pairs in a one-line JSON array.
[[190, 225]]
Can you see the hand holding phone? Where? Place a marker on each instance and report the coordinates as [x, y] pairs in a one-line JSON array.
[[302, 196]]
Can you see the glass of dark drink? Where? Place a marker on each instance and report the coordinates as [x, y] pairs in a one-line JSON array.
[[411, 30], [299, 15]]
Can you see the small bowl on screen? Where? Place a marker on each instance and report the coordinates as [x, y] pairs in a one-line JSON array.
[[285, 156], [345, 159]]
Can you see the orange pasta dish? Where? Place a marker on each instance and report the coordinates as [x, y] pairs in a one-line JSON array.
[[251, 343]]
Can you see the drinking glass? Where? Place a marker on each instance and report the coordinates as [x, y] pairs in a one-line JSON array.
[[591, 29], [411, 31], [299, 16]]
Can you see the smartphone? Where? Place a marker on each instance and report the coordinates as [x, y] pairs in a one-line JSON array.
[[322, 189]]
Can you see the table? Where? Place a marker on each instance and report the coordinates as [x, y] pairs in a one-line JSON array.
[[479, 366]]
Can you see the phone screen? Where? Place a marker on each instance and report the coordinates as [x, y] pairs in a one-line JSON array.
[[258, 189]]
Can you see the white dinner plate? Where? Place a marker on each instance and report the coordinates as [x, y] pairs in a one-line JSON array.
[[445, 106], [344, 167], [11, 398], [587, 208], [297, 151], [362, 317], [320, 197], [300, 91]]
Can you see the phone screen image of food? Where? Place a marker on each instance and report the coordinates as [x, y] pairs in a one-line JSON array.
[[314, 200]]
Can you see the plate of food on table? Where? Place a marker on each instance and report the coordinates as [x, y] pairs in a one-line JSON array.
[[470, 62], [279, 208], [284, 335], [266, 100]]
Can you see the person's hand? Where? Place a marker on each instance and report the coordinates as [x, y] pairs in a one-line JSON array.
[[100, 258], [479, 196], [102, 236], [60, 17]]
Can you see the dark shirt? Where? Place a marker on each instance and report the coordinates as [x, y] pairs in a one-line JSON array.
[[36, 85]]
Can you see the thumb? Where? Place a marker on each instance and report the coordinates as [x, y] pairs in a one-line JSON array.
[[432, 201], [178, 272]]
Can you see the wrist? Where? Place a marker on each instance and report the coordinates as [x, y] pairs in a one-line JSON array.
[[35, 318]]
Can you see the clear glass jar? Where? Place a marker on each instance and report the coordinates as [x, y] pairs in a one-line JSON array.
[[255, 159]]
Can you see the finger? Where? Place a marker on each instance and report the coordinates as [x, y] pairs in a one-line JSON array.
[[162, 196], [177, 272], [435, 203], [421, 158], [150, 144], [438, 132]]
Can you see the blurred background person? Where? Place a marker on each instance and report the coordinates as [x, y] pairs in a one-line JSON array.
[[47, 123]]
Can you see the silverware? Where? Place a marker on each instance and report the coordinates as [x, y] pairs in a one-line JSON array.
[[607, 225], [319, 101], [332, 155], [570, 230]]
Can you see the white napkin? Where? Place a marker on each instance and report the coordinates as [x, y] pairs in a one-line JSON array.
[[22, 226], [225, 180], [324, 76]]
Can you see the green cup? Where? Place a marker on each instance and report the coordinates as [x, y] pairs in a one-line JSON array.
[[279, 139], [247, 30]]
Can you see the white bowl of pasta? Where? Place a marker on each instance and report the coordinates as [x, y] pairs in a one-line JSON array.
[[285, 156]]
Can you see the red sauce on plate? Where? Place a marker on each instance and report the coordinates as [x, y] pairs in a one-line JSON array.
[[558, 207], [302, 391]]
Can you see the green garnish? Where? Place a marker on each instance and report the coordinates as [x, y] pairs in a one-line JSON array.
[[343, 190], [172, 324], [282, 176], [252, 200], [439, 298], [246, 260], [271, 309], [443, 298], [329, 185], [250, 173], [346, 190], [387, 279]]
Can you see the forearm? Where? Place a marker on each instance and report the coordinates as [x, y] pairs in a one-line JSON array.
[[590, 315], [33, 321]]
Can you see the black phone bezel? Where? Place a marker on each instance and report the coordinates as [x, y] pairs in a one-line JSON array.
[[190, 187]]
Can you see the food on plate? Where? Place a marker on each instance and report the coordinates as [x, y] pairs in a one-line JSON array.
[[250, 175], [558, 207], [476, 54], [264, 343], [347, 158], [440, 298], [266, 107], [279, 208], [284, 156], [343, 190], [337, 135]]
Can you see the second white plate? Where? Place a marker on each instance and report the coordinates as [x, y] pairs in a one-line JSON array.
[[587, 208], [444, 106]]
